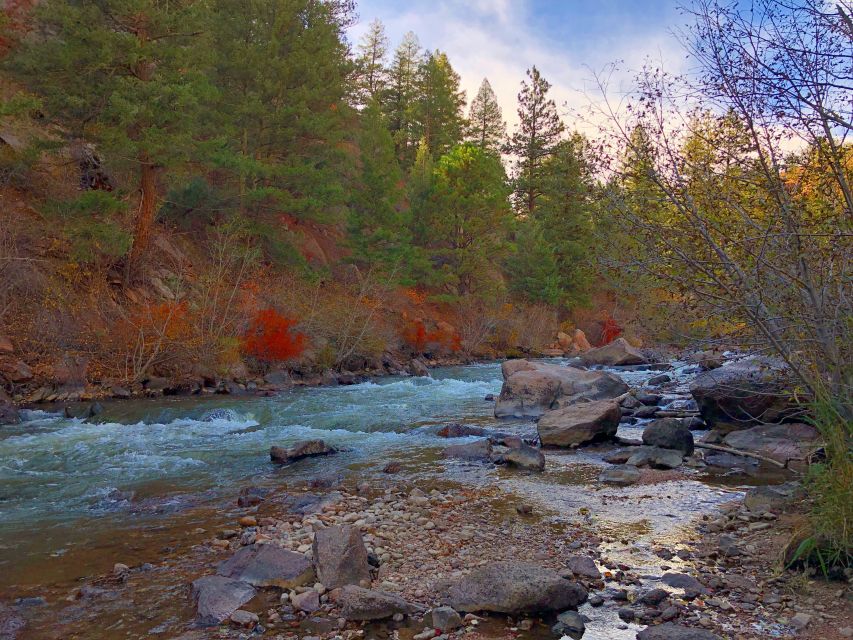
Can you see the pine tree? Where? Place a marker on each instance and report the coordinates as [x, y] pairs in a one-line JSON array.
[[533, 270], [371, 74], [538, 133], [440, 104], [400, 101], [486, 126], [128, 76]]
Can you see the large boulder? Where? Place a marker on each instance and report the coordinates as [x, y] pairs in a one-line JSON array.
[[669, 433], [8, 413], [15, 371], [217, 597], [672, 631], [477, 450], [616, 354], [515, 588], [532, 388], [742, 393], [773, 498], [581, 344], [358, 603], [340, 557], [785, 443], [525, 457], [266, 565], [303, 449], [580, 423]]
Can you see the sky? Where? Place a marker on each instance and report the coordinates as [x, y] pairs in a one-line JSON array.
[[570, 41]]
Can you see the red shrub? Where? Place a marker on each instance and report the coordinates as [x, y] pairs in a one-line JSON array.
[[269, 337], [610, 331], [420, 340]]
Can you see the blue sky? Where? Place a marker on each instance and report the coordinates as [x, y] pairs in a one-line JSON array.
[[569, 40]]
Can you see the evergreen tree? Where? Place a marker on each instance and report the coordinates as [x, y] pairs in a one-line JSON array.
[[127, 75], [486, 126], [538, 133], [378, 222], [371, 74], [532, 268], [440, 104], [401, 94]]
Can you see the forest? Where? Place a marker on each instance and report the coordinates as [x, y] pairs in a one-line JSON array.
[[238, 196]]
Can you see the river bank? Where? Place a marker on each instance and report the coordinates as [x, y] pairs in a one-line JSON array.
[[172, 523]]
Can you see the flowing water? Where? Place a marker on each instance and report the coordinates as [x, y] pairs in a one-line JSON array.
[[77, 496]]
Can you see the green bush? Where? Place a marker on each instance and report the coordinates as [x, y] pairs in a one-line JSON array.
[[94, 226]]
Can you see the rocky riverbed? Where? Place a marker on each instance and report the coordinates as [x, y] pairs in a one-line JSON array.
[[410, 542]]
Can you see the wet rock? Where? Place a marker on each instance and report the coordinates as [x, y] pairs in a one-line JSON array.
[[358, 603], [251, 496], [654, 597], [515, 588], [773, 499], [626, 613], [656, 458], [525, 457], [530, 389], [621, 475], [579, 423], [445, 619], [303, 449], [569, 623], [729, 461], [245, 619], [8, 413], [308, 601], [596, 600], [683, 581], [456, 430], [729, 546], [649, 399], [658, 380], [418, 368], [479, 450], [217, 597], [617, 353], [669, 433], [340, 557], [392, 468], [646, 412], [265, 565], [672, 631], [743, 393], [782, 442], [120, 393], [583, 566]]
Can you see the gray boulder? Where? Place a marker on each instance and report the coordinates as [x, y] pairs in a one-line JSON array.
[[478, 450], [621, 475], [785, 443], [445, 619], [616, 354], [656, 458], [583, 566], [515, 588], [569, 623], [340, 557], [740, 394], [265, 565], [580, 423], [672, 631], [217, 597], [669, 433], [531, 388], [303, 449], [683, 581], [358, 603], [773, 498], [8, 413], [525, 457]]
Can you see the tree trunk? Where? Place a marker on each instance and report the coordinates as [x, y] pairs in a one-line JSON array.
[[145, 216]]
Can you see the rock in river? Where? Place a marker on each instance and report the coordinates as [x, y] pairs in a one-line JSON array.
[[525, 457], [340, 557], [217, 597], [583, 566], [265, 565], [783, 442], [621, 475], [8, 413], [358, 603], [303, 449], [672, 631], [616, 354], [515, 588], [478, 450], [655, 457], [669, 433], [580, 423], [532, 388]]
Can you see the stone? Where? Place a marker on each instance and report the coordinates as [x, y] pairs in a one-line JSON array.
[[525, 457], [358, 603], [418, 369], [654, 597], [773, 498], [579, 423], [6, 346], [532, 388], [655, 457], [569, 623], [626, 613], [456, 430], [308, 601], [658, 380], [740, 394], [683, 581], [784, 443], [616, 354], [121, 393], [446, 619], [15, 371], [340, 557], [581, 344], [478, 450], [672, 631], [583, 566], [621, 475], [8, 413], [669, 433], [266, 565], [251, 496], [245, 619], [217, 597], [303, 449], [514, 588], [11, 623]]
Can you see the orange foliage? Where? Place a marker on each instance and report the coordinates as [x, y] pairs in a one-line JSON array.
[[420, 340], [609, 331], [270, 337], [415, 297], [168, 320]]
